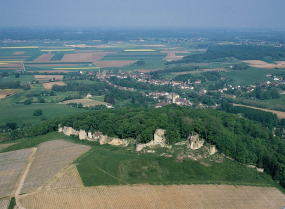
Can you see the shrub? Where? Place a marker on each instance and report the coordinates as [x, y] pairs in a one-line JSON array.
[[38, 112]]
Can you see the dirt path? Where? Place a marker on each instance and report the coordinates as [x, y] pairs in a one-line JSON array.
[[23, 177]]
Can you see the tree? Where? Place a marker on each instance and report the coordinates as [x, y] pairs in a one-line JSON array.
[[80, 105], [38, 112], [42, 101], [27, 102]]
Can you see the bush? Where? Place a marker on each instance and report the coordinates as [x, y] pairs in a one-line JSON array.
[[27, 102], [38, 112]]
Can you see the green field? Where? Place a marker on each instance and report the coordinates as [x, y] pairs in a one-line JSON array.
[[250, 75], [23, 114]]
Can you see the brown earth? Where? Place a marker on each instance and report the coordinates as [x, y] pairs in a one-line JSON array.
[[44, 58], [171, 55], [157, 196], [4, 93], [68, 178], [52, 65], [146, 70], [85, 102], [11, 166], [278, 113], [50, 84], [47, 77], [262, 64], [118, 63], [52, 71], [83, 57], [51, 157], [19, 52], [200, 71], [4, 146]]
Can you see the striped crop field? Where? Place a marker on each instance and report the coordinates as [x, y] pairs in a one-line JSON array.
[[56, 50], [139, 50], [76, 68], [20, 47]]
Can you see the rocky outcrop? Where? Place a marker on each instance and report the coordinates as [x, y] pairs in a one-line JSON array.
[[69, 131], [59, 128], [117, 142], [82, 134], [158, 137], [96, 135], [103, 140], [194, 141], [213, 149]]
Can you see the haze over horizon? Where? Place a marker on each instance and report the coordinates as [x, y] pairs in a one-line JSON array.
[[149, 13]]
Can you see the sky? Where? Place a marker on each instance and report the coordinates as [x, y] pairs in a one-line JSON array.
[[146, 13]]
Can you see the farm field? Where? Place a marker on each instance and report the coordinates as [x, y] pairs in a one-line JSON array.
[[151, 196], [50, 84], [262, 64], [4, 93], [23, 114], [4, 146], [47, 77], [278, 113], [85, 102], [54, 155], [200, 71], [11, 166], [53, 182]]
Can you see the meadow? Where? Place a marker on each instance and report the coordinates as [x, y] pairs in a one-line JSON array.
[[23, 114]]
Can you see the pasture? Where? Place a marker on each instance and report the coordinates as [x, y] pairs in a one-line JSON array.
[[23, 114], [47, 77]]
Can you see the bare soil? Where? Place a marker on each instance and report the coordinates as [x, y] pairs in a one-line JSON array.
[[19, 52], [57, 77], [83, 57], [50, 84], [44, 58], [4, 146], [51, 157], [146, 70], [11, 166], [171, 55], [262, 64], [158, 196], [115, 63]]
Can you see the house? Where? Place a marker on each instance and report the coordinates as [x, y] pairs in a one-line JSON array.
[[109, 105], [88, 96], [198, 82]]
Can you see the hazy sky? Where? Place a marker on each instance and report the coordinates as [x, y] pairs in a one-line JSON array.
[[180, 13]]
